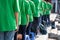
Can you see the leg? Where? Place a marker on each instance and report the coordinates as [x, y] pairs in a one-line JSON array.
[[15, 36], [22, 30], [32, 35], [9, 35], [1, 35], [35, 25], [42, 19], [48, 18], [45, 20], [28, 30], [53, 25], [43, 28]]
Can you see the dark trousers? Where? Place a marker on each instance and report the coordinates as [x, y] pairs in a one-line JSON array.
[[15, 36], [35, 25], [28, 30], [53, 25], [43, 19], [22, 30], [48, 19], [40, 20]]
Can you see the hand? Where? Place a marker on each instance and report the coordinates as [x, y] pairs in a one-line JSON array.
[[27, 25], [17, 28], [19, 36]]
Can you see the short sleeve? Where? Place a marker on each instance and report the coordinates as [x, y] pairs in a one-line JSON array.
[[27, 7], [50, 6], [15, 8], [33, 7], [40, 6]]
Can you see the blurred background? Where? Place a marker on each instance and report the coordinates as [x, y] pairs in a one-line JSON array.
[[53, 34]]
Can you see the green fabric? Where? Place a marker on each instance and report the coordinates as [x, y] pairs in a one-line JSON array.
[[19, 18], [32, 6], [36, 2], [24, 8], [44, 8], [49, 8], [30, 16], [19, 4], [7, 15], [40, 8]]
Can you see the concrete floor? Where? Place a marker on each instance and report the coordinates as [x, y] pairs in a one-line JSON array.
[[55, 31]]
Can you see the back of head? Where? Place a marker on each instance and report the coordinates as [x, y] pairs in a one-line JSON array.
[[46, 0]]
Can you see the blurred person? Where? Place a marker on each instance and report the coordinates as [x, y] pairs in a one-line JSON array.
[[48, 12], [36, 16], [42, 9], [18, 36], [31, 12], [8, 19], [30, 16], [24, 8]]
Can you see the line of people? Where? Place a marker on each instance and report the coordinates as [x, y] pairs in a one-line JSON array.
[[22, 18], [34, 14]]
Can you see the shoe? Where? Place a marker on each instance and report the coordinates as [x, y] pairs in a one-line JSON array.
[[43, 30], [53, 27]]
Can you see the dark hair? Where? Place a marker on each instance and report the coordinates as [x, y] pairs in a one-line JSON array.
[[46, 0]]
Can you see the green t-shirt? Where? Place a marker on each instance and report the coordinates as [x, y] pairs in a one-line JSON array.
[[36, 2], [49, 8], [19, 4], [31, 15], [24, 12], [44, 8], [32, 6], [19, 18], [7, 15], [40, 8]]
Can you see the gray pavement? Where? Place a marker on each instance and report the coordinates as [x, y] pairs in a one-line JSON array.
[[54, 31]]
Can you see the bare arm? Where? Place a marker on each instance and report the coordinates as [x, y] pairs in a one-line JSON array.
[[16, 15], [27, 20]]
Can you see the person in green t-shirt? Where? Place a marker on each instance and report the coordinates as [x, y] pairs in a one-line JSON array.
[[41, 10], [8, 19], [16, 36], [48, 11], [43, 17], [36, 16], [31, 12], [24, 8]]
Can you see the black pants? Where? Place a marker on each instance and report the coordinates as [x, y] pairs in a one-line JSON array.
[[48, 19], [43, 18], [35, 25], [22, 30], [53, 25], [15, 36], [43, 22], [28, 30]]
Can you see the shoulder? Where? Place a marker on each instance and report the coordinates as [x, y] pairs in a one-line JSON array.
[[49, 4], [31, 2], [26, 3]]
